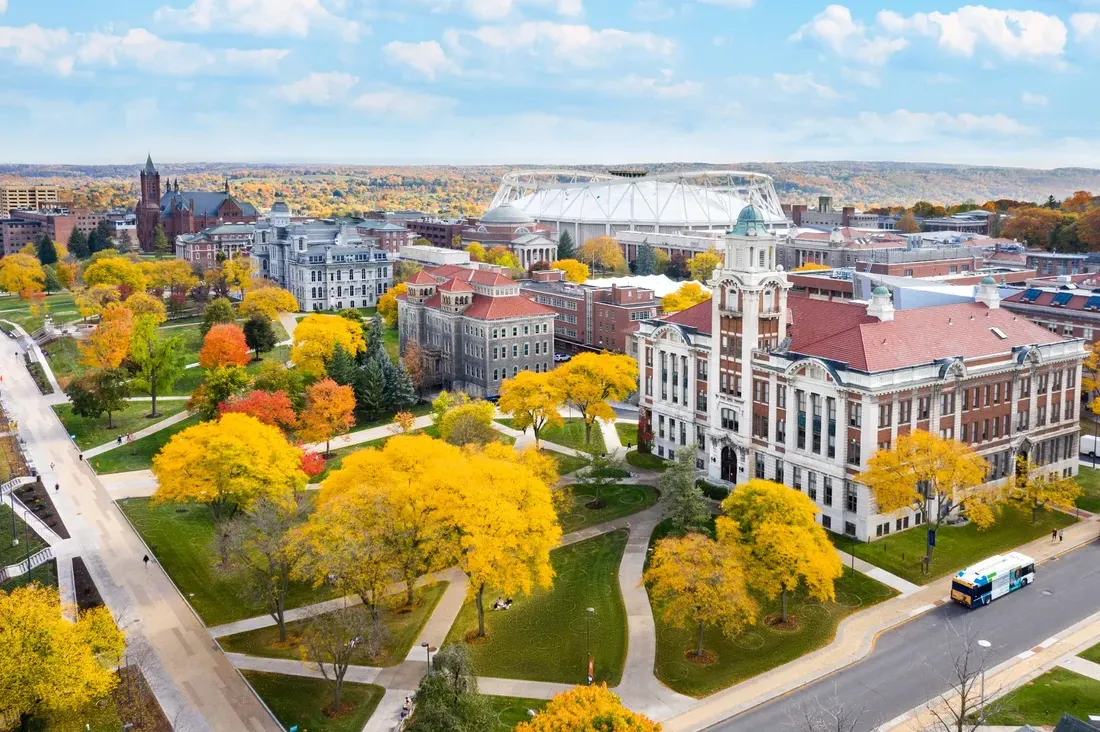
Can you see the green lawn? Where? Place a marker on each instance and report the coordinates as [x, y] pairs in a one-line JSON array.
[[139, 454], [542, 638], [90, 433], [1089, 480], [300, 701], [404, 628], [646, 462], [418, 410], [620, 500], [566, 463], [956, 547], [44, 574], [628, 432], [1044, 699], [181, 538], [19, 311], [758, 648], [571, 434], [14, 554], [63, 358], [511, 710], [1091, 654]]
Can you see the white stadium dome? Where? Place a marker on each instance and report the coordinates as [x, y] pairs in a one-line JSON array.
[[590, 204]]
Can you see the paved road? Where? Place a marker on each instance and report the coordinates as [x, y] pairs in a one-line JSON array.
[[910, 664]]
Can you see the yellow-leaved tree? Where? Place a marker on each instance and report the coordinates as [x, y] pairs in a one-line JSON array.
[[468, 421], [811, 267], [50, 665], [146, 309], [588, 709], [22, 274], [532, 400], [703, 264], [90, 301], [932, 475], [574, 271], [589, 380], [688, 295], [116, 271], [1032, 488], [316, 339], [228, 465], [109, 343], [602, 252], [268, 301], [329, 412], [387, 304], [696, 580], [784, 546], [476, 251]]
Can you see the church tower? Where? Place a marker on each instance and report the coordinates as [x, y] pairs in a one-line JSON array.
[[148, 208], [749, 316]]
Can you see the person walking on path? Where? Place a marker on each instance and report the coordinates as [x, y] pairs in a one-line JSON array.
[[146, 560], [1061, 536], [1054, 534]]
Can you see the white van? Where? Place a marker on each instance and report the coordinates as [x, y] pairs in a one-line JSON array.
[[1090, 446]]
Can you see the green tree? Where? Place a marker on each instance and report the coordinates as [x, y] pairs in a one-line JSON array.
[[566, 248], [404, 393], [160, 361], [45, 250], [259, 334], [448, 698], [51, 283], [98, 392], [376, 341], [160, 241], [646, 261], [220, 384], [218, 310], [687, 504], [604, 472], [370, 390], [341, 367], [78, 244], [100, 238]]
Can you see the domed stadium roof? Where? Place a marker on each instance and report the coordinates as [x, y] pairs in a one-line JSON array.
[[506, 215]]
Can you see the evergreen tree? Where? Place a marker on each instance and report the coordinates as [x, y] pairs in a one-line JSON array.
[[78, 244], [125, 241], [219, 310], [566, 248], [370, 390], [646, 261], [376, 341], [160, 241], [389, 378], [259, 334], [404, 394], [687, 504], [447, 698], [51, 284], [341, 367], [45, 250]]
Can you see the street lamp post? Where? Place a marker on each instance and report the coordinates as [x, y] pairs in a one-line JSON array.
[[985, 646], [14, 538], [589, 614], [427, 653]]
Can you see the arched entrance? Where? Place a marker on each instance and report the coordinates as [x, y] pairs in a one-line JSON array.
[[729, 464]]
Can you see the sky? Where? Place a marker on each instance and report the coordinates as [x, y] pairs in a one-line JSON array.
[[549, 81]]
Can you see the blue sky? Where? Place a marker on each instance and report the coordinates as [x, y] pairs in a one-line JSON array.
[[549, 81]]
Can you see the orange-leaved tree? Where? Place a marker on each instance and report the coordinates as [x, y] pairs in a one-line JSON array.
[[224, 345], [270, 407], [109, 343], [329, 411]]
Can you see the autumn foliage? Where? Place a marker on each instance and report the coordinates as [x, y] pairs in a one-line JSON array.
[[109, 343], [271, 408], [387, 304], [587, 709], [224, 345], [269, 301], [330, 411], [688, 295], [316, 339], [313, 464]]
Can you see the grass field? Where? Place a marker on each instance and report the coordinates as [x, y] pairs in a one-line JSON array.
[[19, 311], [89, 432], [139, 454], [1089, 480], [300, 701], [403, 626], [511, 710], [1044, 699], [181, 539], [566, 463], [628, 432], [570, 434], [646, 462], [619, 501], [14, 554], [1091, 654], [956, 546], [758, 648], [542, 638], [64, 360]]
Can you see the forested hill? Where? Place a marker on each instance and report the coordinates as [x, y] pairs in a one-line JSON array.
[[325, 188]]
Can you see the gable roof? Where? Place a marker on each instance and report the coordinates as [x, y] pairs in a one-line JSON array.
[[207, 203], [455, 285], [697, 317], [421, 278], [497, 308]]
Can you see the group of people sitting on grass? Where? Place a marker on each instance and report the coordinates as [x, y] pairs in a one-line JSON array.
[[502, 604]]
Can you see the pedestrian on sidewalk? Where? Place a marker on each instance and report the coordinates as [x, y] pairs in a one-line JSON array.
[[146, 560], [51, 466], [1054, 534], [1061, 536], [56, 487], [81, 456], [118, 440]]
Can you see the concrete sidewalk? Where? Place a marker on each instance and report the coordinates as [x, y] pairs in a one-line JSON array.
[[151, 429], [368, 435], [903, 586]]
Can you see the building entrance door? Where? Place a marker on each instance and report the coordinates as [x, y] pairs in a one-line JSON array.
[[729, 464]]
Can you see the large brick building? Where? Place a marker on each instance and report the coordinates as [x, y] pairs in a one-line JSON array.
[[59, 223], [803, 391], [18, 233], [474, 329], [183, 212]]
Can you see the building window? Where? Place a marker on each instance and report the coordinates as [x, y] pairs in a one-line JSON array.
[[826, 522], [855, 414], [924, 407], [947, 402], [781, 431], [853, 451], [779, 471], [851, 497], [885, 415], [905, 411], [780, 396], [827, 486], [796, 477], [759, 465], [811, 485]]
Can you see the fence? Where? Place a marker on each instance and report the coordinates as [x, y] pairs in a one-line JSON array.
[[17, 570]]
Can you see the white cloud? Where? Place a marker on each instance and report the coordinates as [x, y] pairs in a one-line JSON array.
[[903, 126], [403, 104], [427, 57], [576, 45], [804, 84], [319, 88], [863, 77], [730, 3], [1086, 26], [500, 9], [260, 17], [835, 29], [661, 87], [63, 53], [3, 5], [1015, 34], [1034, 100], [652, 11]]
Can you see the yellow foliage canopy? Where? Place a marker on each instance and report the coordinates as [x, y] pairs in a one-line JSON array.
[[703, 264], [1033, 489], [688, 295], [146, 308], [532, 400], [109, 343], [22, 274], [268, 301], [116, 271], [587, 709], [387, 304], [229, 464], [316, 338], [329, 411], [574, 271], [91, 300], [811, 267], [589, 380], [602, 252]]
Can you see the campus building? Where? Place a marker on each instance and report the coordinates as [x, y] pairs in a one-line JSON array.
[[218, 243], [20, 196], [802, 391], [473, 329]]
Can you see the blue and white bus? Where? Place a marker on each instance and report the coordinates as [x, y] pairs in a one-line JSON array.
[[989, 579]]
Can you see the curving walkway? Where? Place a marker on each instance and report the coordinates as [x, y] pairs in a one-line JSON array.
[[151, 429]]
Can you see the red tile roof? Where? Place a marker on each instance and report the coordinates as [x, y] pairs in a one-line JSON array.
[[490, 279], [455, 285], [855, 238], [421, 278], [446, 270], [486, 277], [697, 317], [496, 308], [844, 332]]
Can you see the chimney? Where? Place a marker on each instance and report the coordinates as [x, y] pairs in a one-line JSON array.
[[989, 294], [881, 305]]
